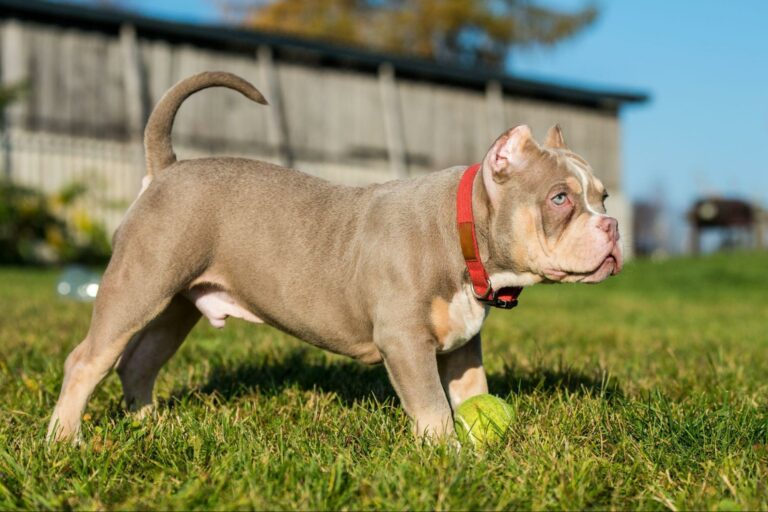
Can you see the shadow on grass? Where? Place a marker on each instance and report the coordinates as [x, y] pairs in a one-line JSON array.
[[350, 380], [353, 382], [515, 379]]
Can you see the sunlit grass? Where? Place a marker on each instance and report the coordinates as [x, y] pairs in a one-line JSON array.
[[647, 391]]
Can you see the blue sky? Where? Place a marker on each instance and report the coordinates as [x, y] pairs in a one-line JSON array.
[[704, 63]]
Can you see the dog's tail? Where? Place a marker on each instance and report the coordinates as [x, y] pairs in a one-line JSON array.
[[157, 135]]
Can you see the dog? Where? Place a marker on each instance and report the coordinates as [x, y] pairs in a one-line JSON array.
[[402, 273]]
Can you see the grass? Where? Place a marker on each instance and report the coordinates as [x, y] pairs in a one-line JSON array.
[[646, 392]]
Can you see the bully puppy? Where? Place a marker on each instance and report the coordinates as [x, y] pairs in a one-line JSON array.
[[402, 273]]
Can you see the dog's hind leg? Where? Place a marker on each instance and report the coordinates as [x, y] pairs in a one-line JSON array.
[[151, 348], [126, 303]]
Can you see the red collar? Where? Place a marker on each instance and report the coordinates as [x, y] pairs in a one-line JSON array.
[[505, 298]]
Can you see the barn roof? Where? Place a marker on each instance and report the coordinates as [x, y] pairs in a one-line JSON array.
[[311, 52]]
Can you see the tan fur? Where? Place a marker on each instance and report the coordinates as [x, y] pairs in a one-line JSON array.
[[375, 273], [574, 185], [456, 321], [554, 138], [441, 319], [461, 372], [157, 136], [150, 349]]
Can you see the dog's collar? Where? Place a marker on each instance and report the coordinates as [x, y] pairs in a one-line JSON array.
[[505, 298]]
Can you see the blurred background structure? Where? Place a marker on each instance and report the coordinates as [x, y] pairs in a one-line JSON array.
[[350, 115], [741, 224]]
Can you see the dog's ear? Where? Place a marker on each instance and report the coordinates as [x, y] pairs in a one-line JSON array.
[[555, 138], [509, 152], [507, 155]]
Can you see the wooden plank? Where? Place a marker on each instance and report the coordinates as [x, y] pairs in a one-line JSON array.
[[135, 103], [136, 109], [12, 60], [13, 65], [494, 110], [45, 91], [159, 69], [116, 107], [189, 119], [393, 121], [73, 106], [418, 107], [250, 122], [277, 127]]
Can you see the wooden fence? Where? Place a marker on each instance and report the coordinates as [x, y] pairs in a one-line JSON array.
[[90, 93]]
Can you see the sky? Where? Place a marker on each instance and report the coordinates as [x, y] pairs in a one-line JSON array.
[[704, 64]]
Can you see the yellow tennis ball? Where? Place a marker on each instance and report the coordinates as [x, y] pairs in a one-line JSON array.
[[482, 420]]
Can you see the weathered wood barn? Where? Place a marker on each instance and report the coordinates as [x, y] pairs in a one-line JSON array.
[[345, 114]]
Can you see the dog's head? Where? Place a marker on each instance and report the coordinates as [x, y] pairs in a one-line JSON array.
[[547, 213]]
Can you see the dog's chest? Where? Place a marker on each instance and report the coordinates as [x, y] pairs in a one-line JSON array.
[[455, 322]]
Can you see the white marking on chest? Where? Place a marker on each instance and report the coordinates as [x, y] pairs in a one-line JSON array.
[[466, 316], [577, 169]]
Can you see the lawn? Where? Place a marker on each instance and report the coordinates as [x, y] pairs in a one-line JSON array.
[[645, 392]]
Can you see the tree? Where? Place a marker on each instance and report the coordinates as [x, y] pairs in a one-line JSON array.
[[472, 32]]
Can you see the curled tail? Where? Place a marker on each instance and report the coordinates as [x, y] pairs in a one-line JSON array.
[[157, 135]]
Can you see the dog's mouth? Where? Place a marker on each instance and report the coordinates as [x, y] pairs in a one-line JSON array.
[[610, 265]]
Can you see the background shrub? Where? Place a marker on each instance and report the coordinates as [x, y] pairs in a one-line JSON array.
[[40, 229]]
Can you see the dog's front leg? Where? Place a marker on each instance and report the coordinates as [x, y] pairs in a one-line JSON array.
[[411, 360], [462, 372]]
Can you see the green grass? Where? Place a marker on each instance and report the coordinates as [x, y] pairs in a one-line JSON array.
[[646, 392]]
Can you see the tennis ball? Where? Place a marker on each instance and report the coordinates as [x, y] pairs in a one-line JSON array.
[[482, 420]]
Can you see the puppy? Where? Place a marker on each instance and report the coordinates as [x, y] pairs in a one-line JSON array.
[[402, 273]]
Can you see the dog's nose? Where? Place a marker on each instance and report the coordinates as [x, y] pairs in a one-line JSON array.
[[610, 226]]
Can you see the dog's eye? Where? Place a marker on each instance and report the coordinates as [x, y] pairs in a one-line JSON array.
[[605, 196], [560, 199]]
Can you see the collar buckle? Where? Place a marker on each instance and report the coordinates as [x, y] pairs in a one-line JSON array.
[[491, 298], [503, 304]]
